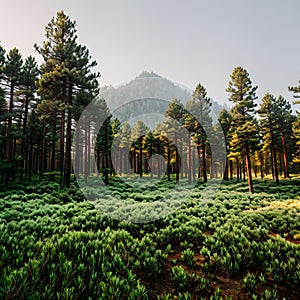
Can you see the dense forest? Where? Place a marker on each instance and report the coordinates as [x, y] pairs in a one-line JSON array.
[[41, 106], [193, 205]]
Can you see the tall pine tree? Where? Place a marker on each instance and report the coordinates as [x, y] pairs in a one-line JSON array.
[[11, 77], [225, 121], [175, 111], [243, 94], [26, 94], [65, 74], [268, 121]]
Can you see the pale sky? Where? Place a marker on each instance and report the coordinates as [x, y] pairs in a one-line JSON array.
[[189, 42]]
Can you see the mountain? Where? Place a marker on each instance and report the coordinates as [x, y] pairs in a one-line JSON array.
[[147, 94]]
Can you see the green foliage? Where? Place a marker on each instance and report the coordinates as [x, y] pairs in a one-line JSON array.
[[249, 281], [185, 296], [188, 257], [54, 244], [244, 127], [180, 276]]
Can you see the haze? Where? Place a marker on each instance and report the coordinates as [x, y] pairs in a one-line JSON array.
[[185, 41]]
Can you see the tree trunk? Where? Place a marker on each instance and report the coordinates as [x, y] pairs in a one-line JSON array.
[[151, 174], [285, 160], [158, 161], [53, 148], [231, 169], [134, 161], [168, 161], [69, 138], [226, 171], [24, 146], [30, 158], [78, 154], [181, 160], [194, 165], [274, 158], [266, 165], [146, 165], [272, 164], [86, 160], [238, 169], [204, 172], [141, 157], [8, 131], [176, 159], [199, 160], [62, 148], [107, 166], [42, 156], [189, 159], [261, 166], [62, 135], [248, 165]]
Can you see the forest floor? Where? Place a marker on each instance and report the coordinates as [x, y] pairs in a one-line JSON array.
[[55, 244]]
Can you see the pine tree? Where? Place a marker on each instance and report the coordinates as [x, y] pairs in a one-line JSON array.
[[137, 135], [11, 77], [3, 116], [235, 149], [125, 143], [243, 94], [296, 91], [175, 112], [200, 107], [190, 125], [149, 142], [268, 121], [225, 121], [65, 73], [160, 146], [296, 137], [103, 142], [3, 110], [284, 122], [26, 94], [115, 141], [296, 124]]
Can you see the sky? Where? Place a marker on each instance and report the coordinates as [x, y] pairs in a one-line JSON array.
[[188, 42]]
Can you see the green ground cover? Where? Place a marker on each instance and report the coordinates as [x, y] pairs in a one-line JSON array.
[[55, 245]]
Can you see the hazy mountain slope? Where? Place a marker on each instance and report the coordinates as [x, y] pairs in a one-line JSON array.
[[126, 99]]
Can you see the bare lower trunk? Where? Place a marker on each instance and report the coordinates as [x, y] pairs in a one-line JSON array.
[[189, 160], [237, 169], [42, 157], [204, 172], [285, 160], [248, 165]]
